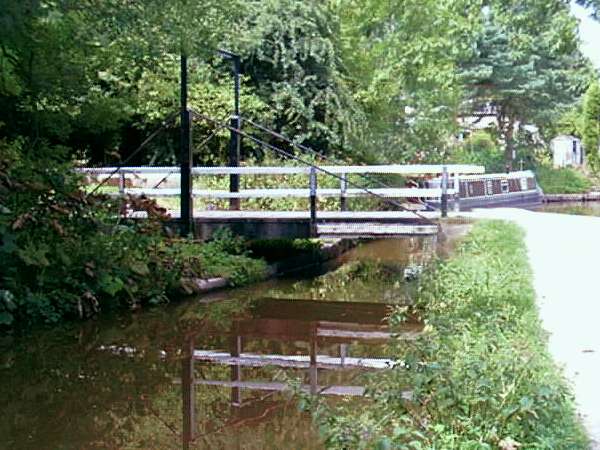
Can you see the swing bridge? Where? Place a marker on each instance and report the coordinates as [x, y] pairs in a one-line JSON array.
[[394, 210]]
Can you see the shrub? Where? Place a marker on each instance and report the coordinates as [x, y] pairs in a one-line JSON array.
[[480, 149], [67, 255], [562, 181]]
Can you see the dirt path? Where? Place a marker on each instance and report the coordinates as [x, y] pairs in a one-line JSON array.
[[564, 253]]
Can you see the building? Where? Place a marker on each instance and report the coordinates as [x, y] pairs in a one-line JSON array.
[[566, 151]]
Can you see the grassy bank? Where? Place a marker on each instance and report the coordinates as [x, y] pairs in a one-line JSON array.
[[481, 375], [562, 181]]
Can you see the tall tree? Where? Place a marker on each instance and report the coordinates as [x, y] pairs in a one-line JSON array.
[[593, 5], [526, 67], [591, 125], [401, 58]]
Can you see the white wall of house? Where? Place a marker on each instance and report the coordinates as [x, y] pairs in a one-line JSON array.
[[566, 151]]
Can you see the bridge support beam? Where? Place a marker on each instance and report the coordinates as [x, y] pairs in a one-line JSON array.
[[186, 206]]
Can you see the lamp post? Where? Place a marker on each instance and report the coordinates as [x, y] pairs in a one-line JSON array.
[[236, 124]]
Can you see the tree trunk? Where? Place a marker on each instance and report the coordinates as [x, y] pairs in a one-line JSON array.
[[507, 127], [509, 146]]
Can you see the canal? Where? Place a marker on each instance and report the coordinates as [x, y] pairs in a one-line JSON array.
[[572, 208], [116, 381]]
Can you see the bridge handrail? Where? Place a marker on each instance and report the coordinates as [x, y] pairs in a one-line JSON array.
[[292, 192], [413, 169]]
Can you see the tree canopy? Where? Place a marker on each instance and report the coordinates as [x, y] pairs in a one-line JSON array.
[[526, 67], [370, 80]]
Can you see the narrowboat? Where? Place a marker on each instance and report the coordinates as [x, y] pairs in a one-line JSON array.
[[486, 190]]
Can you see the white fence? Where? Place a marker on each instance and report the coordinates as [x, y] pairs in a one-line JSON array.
[[157, 174]]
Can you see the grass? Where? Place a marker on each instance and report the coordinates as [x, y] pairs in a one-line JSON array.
[[562, 181], [481, 374]]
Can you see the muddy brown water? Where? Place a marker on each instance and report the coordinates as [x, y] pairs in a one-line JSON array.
[[116, 382]]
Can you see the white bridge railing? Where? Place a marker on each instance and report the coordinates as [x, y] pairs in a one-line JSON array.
[[135, 176]]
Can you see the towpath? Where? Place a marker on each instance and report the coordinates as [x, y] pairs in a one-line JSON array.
[[564, 252]]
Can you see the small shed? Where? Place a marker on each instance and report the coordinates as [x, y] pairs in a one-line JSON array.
[[566, 151]]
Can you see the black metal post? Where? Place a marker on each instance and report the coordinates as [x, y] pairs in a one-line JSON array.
[[185, 157], [312, 370], [235, 142], [343, 188], [444, 199], [234, 161], [121, 183], [236, 370], [313, 201]]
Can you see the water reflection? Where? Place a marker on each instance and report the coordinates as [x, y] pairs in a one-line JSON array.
[[116, 382], [326, 330], [572, 208]]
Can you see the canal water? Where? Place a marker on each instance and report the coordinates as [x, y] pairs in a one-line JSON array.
[[120, 381], [574, 208]]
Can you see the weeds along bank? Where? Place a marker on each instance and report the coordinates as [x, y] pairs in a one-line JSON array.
[[562, 181], [481, 375], [67, 255]]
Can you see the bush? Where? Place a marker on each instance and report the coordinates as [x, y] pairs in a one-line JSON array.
[[67, 255], [562, 181], [481, 376], [480, 149]]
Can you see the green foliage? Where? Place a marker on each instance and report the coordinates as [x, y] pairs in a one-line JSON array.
[[571, 122], [401, 58], [368, 80], [526, 67], [68, 255], [480, 376], [562, 181], [480, 148], [591, 125], [226, 256], [593, 5]]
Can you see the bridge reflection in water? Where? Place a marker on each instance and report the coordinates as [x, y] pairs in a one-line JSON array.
[[323, 325]]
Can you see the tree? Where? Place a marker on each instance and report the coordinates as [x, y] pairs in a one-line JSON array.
[[400, 58], [594, 5], [591, 125], [525, 68]]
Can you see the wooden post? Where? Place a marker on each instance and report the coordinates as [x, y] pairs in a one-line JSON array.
[[457, 192], [444, 199], [236, 370], [313, 201], [188, 394], [343, 188]]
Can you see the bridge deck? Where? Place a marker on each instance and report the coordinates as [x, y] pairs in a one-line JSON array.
[[297, 224]]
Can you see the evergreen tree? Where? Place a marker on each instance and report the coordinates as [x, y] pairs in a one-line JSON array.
[[591, 125], [525, 68]]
